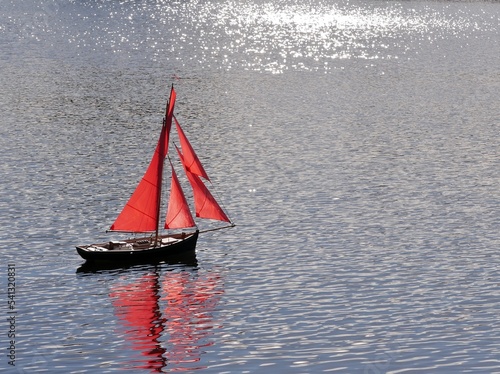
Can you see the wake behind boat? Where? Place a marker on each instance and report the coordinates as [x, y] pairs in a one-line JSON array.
[[142, 213]]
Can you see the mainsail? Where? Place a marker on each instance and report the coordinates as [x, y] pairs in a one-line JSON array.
[[142, 211]]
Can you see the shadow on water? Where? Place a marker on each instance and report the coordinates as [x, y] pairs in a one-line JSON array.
[[165, 311], [187, 259]]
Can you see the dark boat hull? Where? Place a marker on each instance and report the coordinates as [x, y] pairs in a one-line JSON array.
[[136, 252]]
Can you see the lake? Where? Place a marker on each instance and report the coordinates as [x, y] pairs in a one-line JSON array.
[[355, 145]]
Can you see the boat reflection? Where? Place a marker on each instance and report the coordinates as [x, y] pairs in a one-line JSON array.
[[168, 316], [136, 305]]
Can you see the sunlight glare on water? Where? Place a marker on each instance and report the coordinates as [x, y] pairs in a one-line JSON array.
[[355, 144], [260, 36], [277, 37]]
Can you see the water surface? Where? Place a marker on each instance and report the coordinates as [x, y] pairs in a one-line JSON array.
[[355, 145]]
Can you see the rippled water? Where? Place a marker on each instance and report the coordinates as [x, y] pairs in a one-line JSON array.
[[355, 144]]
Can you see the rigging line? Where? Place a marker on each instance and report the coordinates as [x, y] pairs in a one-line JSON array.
[[218, 228]]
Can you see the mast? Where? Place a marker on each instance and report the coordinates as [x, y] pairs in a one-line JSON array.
[[164, 138], [160, 179]]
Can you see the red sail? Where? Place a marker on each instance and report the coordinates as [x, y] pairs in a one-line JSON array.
[[205, 204], [178, 213], [192, 162], [141, 213], [170, 110]]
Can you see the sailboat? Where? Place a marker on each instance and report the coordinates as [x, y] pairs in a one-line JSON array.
[[141, 215]]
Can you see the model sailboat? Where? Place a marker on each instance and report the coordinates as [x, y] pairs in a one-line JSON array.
[[142, 213]]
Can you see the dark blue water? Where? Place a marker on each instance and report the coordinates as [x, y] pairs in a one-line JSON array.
[[355, 144]]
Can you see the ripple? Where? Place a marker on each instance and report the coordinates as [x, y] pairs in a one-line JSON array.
[[366, 198], [263, 36]]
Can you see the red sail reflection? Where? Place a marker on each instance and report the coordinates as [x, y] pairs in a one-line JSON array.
[[170, 321], [137, 306], [188, 315]]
